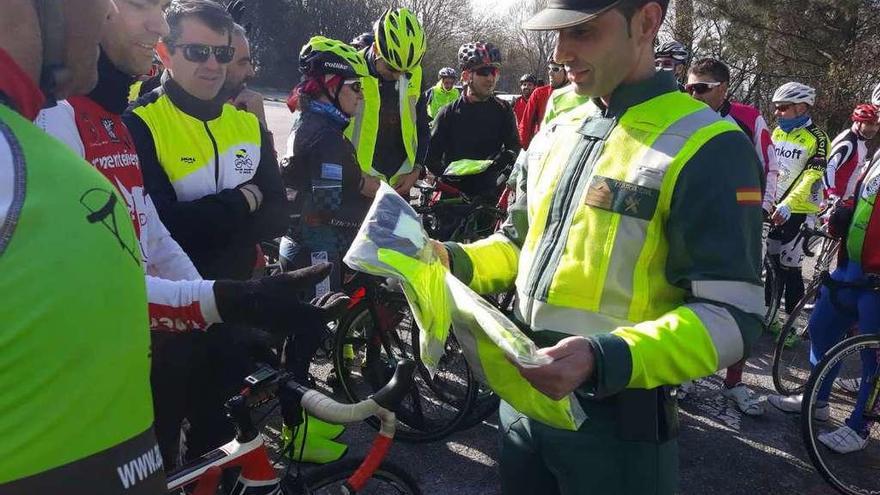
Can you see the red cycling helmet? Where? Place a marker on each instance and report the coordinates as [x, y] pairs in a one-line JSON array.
[[865, 113]]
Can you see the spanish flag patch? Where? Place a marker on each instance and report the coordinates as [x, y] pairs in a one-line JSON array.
[[749, 196]]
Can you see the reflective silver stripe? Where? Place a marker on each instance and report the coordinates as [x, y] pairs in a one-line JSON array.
[[572, 321], [723, 331], [631, 234], [13, 178], [741, 295]]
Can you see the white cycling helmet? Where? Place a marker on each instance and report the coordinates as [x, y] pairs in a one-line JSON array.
[[795, 92], [875, 96]]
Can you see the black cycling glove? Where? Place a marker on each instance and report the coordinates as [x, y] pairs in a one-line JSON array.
[[273, 303]]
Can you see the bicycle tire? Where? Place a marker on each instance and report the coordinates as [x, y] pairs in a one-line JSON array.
[[772, 285], [791, 355], [320, 480], [809, 431], [375, 370]]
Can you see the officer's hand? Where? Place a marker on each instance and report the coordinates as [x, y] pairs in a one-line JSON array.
[[573, 364], [333, 305], [440, 251], [251, 101], [370, 186], [781, 215]]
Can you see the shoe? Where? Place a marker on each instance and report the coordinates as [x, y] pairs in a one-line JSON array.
[[744, 400], [317, 450], [851, 385], [843, 440], [792, 405]]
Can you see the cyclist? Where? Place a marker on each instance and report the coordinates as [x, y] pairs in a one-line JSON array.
[[238, 73], [527, 84], [363, 40], [442, 93], [707, 81], [673, 57], [839, 308], [533, 115], [849, 151], [391, 134], [211, 172], [801, 152], [320, 163], [628, 292], [477, 126], [75, 405]]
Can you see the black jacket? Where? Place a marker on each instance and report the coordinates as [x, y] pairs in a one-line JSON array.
[[216, 229]]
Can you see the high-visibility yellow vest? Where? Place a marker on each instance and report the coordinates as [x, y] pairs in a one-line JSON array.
[[364, 126], [604, 187]]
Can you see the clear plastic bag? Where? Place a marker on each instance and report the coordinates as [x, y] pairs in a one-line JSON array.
[[392, 243]]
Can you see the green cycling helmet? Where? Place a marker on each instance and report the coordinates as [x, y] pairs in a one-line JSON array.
[[400, 39], [327, 56]]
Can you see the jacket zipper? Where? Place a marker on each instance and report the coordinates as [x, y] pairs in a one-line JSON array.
[[216, 158]]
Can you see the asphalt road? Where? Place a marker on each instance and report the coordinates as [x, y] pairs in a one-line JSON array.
[[721, 452]]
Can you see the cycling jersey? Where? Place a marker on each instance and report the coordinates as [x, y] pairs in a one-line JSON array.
[[472, 129], [801, 156], [75, 411], [519, 107], [533, 114], [848, 154], [92, 127], [749, 119], [194, 154]]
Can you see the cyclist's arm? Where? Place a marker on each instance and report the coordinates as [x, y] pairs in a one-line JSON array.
[[528, 123], [60, 123], [767, 153], [511, 135], [439, 142], [809, 183], [836, 177], [714, 235], [423, 130], [209, 221], [270, 219]]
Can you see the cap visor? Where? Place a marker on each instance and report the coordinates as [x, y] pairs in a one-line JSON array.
[[549, 19]]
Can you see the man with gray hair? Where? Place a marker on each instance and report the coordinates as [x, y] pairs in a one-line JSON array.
[[239, 72]]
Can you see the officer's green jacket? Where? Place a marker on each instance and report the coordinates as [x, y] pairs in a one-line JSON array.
[[634, 226]]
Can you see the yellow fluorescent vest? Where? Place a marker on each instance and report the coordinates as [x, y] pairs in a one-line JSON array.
[[202, 158], [603, 265], [362, 129]]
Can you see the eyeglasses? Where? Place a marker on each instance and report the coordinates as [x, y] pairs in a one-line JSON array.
[[554, 69], [783, 107], [486, 71], [701, 87], [199, 53], [355, 85], [665, 64]]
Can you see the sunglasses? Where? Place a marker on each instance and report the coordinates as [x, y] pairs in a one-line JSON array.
[[701, 87], [199, 53], [355, 85], [486, 71], [782, 107], [554, 69]]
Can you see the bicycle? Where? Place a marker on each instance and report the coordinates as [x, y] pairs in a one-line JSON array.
[[856, 472], [248, 453], [379, 329], [791, 354]]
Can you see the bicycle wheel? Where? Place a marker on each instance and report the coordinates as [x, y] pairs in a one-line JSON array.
[[856, 472], [329, 479], [364, 358], [791, 357], [773, 287]]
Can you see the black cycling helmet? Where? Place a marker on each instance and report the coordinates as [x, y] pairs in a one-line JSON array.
[[477, 54], [363, 40], [447, 72], [529, 78], [675, 51]]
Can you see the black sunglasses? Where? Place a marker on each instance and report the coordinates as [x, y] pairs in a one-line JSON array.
[[782, 107], [199, 53], [554, 69], [486, 71], [700, 88]]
